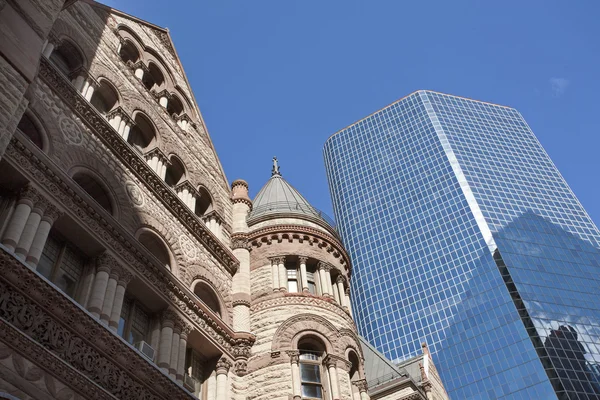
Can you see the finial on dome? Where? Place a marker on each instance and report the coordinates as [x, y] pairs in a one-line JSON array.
[[275, 170]]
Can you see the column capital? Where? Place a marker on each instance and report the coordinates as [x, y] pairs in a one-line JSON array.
[[302, 259], [223, 366], [106, 262], [361, 385], [240, 242], [340, 279], [294, 356], [168, 318], [324, 266], [347, 291], [125, 277], [330, 361], [30, 193], [186, 329], [277, 260], [52, 213]]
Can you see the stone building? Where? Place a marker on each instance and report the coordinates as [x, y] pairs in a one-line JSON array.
[[129, 268]]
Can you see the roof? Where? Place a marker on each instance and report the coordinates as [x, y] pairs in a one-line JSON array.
[[278, 197]]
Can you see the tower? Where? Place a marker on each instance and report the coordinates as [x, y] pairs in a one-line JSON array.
[[293, 294], [463, 233]]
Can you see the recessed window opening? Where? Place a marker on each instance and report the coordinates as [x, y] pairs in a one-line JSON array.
[[105, 98], [142, 134], [30, 129], [94, 189]]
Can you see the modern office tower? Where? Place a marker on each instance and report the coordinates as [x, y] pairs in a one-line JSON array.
[[464, 235]]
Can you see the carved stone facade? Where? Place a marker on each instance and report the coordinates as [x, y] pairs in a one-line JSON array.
[[128, 267]]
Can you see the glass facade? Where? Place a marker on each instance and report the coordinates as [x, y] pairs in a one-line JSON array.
[[463, 234]]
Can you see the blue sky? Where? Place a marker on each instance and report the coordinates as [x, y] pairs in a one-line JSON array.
[[278, 77]]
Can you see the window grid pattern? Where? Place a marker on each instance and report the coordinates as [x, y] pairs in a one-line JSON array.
[[423, 271]]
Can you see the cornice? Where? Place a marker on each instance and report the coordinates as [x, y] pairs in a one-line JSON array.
[[24, 155], [35, 307], [315, 236], [100, 127]]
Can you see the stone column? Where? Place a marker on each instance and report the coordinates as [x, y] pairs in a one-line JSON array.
[[115, 121], [333, 379], [336, 294], [155, 334], [241, 285], [362, 388], [222, 369], [211, 386], [341, 291], [282, 275], [109, 295], [163, 101], [126, 131], [296, 382], [48, 48], [139, 72], [90, 91], [26, 25], [275, 272], [348, 305], [165, 342], [303, 276], [183, 336], [115, 314], [174, 363], [323, 269], [30, 228], [39, 240], [28, 197], [104, 265], [328, 279]]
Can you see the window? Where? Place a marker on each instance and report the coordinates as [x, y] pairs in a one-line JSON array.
[[310, 278], [67, 58], [62, 265], [207, 295], [310, 374], [175, 172], [134, 322], [105, 98], [30, 129], [203, 202], [292, 279], [156, 246], [94, 189], [142, 135]]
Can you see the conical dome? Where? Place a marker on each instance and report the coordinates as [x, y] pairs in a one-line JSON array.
[[278, 198]]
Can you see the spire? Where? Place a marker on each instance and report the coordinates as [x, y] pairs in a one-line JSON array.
[[275, 169]]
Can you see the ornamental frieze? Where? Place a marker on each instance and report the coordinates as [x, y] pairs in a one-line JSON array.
[[304, 300]]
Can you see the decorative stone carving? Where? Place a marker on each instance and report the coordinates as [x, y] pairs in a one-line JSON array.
[[240, 242], [223, 366], [302, 259], [241, 367], [52, 213], [187, 247], [135, 194], [361, 385], [67, 340], [70, 131], [106, 262], [294, 356], [340, 279]]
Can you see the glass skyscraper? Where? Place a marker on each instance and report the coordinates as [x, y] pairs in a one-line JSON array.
[[463, 234]]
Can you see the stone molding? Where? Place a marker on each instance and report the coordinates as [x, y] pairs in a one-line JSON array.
[[62, 328], [18, 154], [121, 113], [301, 234], [340, 279], [300, 299], [242, 200], [100, 127]]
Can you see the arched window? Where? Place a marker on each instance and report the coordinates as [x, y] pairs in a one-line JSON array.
[[312, 352], [156, 246], [105, 98], [174, 106], [67, 58], [206, 294], [154, 77], [30, 129], [204, 202], [94, 189], [175, 172], [128, 52], [142, 134], [354, 372]]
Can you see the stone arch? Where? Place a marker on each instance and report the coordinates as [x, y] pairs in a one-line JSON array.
[[349, 341], [295, 328], [144, 135], [202, 281], [106, 97], [97, 187], [177, 171], [33, 128], [63, 30], [156, 244], [68, 58], [152, 56]]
